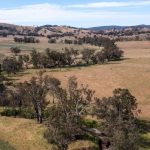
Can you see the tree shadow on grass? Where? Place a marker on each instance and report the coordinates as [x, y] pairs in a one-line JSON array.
[[5, 146], [144, 128], [144, 142]]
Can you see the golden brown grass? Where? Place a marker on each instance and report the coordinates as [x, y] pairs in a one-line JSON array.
[[23, 134]]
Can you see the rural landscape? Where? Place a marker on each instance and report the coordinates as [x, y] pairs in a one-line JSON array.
[[71, 88]]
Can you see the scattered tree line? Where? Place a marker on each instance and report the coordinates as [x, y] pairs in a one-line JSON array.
[[72, 57], [61, 35], [53, 59], [65, 117]]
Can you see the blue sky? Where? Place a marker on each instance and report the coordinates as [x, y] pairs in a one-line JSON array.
[[79, 13]]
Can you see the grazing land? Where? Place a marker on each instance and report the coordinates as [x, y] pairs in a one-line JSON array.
[[133, 73], [7, 43]]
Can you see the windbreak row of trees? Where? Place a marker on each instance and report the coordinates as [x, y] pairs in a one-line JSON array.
[[65, 111]]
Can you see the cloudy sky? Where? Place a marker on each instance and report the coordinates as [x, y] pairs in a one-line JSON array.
[[78, 13]]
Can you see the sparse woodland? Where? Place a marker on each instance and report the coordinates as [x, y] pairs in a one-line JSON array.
[[67, 58], [65, 115], [63, 110]]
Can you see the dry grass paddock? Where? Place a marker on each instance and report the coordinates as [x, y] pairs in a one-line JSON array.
[[133, 73]]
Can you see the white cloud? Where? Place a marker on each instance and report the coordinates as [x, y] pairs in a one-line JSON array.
[[54, 14], [111, 4]]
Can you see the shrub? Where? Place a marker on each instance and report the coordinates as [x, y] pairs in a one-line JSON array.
[[89, 123], [52, 41], [27, 113], [10, 112]]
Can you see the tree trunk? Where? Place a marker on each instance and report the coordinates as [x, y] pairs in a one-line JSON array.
[[40, 118]]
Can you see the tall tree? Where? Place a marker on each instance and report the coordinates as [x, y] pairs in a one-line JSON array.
[[119, 119], [11, 65], [35, 92], [64, 123], [35, 58], [87, 55]]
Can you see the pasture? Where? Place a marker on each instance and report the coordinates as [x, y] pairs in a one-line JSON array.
[[133, 73]]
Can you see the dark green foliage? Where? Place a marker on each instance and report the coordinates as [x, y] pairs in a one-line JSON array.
[[144, 128], [119, 119], [112, 52], [89, 123], [26, 40], [87, 55], [52, 41], [15, 50], [11, 65], [10, 112], [35, 59], [71, 57], [64, 122], [53, 85], [33, 94], [27, 113], [68, 41], [98, 58]]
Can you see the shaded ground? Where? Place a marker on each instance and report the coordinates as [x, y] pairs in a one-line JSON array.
[[5, 146], [144, 127]]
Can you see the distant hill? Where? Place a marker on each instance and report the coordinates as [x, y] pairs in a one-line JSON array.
[[117, 27], [45, 30]]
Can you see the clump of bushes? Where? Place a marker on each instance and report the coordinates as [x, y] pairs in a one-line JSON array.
[[10, 112], [26, 40]]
